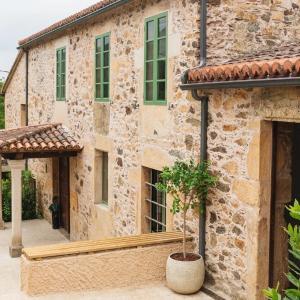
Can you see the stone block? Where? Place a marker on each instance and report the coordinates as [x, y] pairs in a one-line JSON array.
[[247, 191]]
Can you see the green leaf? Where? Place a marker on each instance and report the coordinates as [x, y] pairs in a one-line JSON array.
[[293, 294], [272, 294], [292, 279]]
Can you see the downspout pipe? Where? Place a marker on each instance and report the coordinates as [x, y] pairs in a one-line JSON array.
[[26, 84], [26, 92], [203, 157], [204, 121], [204, 118]]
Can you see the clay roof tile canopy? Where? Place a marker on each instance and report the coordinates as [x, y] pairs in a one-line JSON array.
[[34, 141], [282, 62]]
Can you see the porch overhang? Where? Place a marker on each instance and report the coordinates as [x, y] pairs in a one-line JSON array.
[[38, 141], [260, 72]]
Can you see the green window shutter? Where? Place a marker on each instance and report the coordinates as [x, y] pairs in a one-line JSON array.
[[156, 42], [102, 67], [61, 74]]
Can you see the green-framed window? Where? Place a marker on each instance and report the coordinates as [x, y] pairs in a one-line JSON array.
[[102, 67], [156, 42], [61, 74]]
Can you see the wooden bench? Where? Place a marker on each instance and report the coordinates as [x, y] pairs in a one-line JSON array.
[[94, 246], [98, 264]]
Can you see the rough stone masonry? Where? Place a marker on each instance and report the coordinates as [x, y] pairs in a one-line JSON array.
[[136, 135]]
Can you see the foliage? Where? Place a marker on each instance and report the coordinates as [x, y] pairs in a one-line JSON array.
[[188, 183], [294, 268], [6, 199], [28, 197]]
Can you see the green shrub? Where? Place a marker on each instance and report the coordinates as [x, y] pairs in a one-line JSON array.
[[294, 265], [28, 197], [6, 199]]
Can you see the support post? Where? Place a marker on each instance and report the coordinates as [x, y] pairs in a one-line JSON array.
[[1, 213], [16, 246]]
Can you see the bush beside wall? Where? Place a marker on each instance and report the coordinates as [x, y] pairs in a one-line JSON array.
[[29, 211]]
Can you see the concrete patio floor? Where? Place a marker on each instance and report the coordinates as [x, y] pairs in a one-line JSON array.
[[39, 232]]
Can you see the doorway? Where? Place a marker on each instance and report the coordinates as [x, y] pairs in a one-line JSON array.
[[61, 189], [285, 188]]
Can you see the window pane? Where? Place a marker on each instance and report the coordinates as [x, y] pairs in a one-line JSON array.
[[98, 60], [98, 91], [150, 30], [63, 67], [106, 59], [105, 90], [106, 43], [105, 177], [162, 26], [149, 91], [161, 69], [57, 92], [63, 54], [63, 92], [149, 71], [106, 75], [98, 45], [161, 93], [63, 79], [149, 50], [161, 48], [98, 76]]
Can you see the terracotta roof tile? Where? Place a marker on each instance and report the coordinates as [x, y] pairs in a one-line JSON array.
[[83, 13], [38, 138], [274, 68], [268, 63]]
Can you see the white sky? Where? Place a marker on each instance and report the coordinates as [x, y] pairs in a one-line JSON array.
[[21, 18]]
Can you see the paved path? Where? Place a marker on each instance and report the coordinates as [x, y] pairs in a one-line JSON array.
[[39, 232]]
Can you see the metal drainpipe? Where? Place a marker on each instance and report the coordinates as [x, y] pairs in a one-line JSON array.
[[26, 85], [204, 119], [26, 93]]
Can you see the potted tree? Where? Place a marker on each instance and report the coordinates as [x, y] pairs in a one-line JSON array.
[[188, 183]]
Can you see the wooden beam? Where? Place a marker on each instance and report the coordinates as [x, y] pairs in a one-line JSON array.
[[26, 155]]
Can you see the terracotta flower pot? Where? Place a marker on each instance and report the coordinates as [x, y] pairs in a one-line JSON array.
[[185, 276]]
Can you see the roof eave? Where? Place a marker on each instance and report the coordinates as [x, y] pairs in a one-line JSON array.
[[11, 73], [73, 23], [249, 83]]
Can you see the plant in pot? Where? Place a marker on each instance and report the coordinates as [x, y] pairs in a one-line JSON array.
[[188, 183], [54, 208]]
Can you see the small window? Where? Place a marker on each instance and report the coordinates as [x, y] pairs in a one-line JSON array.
[[102, 67], [156, 59], [155, 203], [101, 177], [61, 74]]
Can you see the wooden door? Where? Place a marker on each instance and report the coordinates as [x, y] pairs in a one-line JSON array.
[[64, 193], [281, 196]]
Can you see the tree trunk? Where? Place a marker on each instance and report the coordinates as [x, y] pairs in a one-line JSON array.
[[184, 234]]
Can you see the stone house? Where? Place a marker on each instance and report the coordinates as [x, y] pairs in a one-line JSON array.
[[112, 73]]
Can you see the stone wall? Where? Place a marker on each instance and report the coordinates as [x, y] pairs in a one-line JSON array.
[[238, 223], [136, 135], [236, 27]]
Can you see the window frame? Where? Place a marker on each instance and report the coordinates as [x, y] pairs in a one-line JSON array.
[[155, 60], [59, 73], [159, 207], [102, 52]]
